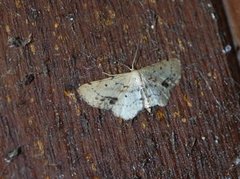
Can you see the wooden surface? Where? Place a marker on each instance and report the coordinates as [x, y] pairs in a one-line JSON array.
[[232, 10], [57, 45]]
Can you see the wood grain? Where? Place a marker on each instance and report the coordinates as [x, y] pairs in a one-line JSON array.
[[73, 42], [232, 10]]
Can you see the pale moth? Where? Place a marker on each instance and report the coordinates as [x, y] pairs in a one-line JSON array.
[[128, 93]]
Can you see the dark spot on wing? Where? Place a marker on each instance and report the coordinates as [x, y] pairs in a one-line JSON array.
[[165, 84], [168, 82], [126, 96], [152, 79], [112, 100], [106, 85], [103, 99], [160, 67]]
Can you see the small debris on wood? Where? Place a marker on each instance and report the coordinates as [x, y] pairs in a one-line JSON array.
[[33, 13], [190, 146], [29, 79], [19, 42], [70, 87], [13, 154], [70, 17]]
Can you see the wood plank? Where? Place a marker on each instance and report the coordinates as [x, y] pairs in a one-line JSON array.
[[73, 42]]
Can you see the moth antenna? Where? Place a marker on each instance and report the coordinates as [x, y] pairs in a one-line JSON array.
[[130, 69], [108, 74], [134, 58]]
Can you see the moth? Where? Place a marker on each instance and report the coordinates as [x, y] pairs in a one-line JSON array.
[[127, 94]]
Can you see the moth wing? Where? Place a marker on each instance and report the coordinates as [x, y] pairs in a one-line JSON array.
[[120, 93], [130, 101], [159, 79], [103, 93]]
